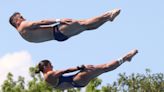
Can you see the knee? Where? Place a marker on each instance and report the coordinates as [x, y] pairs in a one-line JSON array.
[[70, 21], [108, 68], [75, 22]]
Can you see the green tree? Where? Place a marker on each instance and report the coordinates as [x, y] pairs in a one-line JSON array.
[[139, 82], [10, 85], [147, 82], [92, 86]]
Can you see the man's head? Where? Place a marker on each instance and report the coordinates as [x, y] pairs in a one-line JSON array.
[[16, 19], [44, 66]]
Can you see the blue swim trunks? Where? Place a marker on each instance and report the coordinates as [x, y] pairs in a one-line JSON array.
[[69, 79], [58, 35]]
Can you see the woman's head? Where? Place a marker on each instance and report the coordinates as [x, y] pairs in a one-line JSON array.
[[44, 65]]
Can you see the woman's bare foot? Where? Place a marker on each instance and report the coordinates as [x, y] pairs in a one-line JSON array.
[[130, 55]]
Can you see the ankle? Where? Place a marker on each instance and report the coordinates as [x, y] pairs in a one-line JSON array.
[[120, 61]]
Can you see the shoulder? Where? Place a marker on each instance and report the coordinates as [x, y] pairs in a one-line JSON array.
[[27, 24], [51, 74], [23, 25]]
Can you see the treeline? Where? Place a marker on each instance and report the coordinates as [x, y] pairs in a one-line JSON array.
[[147, 82]]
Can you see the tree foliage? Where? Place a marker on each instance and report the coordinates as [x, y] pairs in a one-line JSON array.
[[147, 82]]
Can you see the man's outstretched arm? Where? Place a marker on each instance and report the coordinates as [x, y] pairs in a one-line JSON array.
[[33, 24], [46, 22]]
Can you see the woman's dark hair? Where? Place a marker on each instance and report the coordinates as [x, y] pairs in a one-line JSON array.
[[41, 65], [11, 20]]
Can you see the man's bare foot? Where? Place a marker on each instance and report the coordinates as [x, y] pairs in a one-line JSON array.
[[130, 55], [111, 15]]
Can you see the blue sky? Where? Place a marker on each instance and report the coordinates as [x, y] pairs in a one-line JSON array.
[[139, 25]]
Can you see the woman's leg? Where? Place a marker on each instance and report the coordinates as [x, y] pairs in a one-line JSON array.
[[92, 71]]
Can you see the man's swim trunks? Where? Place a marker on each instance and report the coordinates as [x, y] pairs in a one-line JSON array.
[[69, 79], [58, 35]]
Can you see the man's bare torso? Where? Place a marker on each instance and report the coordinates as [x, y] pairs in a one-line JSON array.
[[36, 34]]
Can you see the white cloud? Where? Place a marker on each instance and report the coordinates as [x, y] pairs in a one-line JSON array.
[[17, 63]]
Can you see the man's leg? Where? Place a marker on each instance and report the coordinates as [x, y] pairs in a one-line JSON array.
[[93, 71], [95, 22], [75, 27]]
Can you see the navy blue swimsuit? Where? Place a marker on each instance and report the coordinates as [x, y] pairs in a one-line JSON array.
[[58, 35], [69, 79]]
